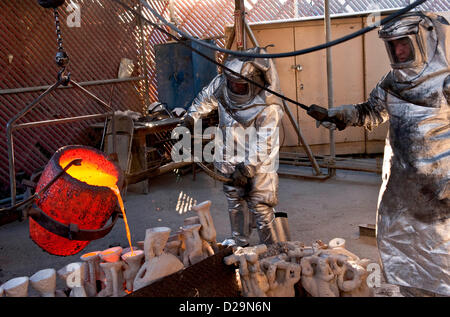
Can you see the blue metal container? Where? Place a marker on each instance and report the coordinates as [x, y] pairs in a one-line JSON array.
[[181, 73]]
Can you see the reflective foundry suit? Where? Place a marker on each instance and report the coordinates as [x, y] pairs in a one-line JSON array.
[[263, 112], [413, 225]]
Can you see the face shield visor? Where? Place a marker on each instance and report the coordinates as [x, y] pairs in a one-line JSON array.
[[238, 87], [240, 91], [400, 50], [405, 45]]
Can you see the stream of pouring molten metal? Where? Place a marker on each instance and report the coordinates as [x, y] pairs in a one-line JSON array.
[[92, 175]]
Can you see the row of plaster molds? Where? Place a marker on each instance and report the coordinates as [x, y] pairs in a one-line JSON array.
[[16, 287], [158, 263], [119, 266], [44, 281], [324, 270], [95, 272], [281, 275], [132, 263], [191, 245], [115, 266], [74, 276], [196, 249], [112, 267], [333, 271], [254, 282], [207, 230], [194, 243]]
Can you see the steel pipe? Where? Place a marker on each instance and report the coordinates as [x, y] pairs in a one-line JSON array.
[[85, 83], [330, 87]]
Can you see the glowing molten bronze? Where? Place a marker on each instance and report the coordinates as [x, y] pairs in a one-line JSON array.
[[86, 195]]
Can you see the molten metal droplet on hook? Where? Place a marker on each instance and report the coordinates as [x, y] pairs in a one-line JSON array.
[[85, 195]]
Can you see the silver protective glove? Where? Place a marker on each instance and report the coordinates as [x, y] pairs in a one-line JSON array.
[[347, 114]]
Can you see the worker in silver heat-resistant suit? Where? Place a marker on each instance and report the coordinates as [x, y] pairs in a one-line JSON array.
[[413, 225], [243, 106]]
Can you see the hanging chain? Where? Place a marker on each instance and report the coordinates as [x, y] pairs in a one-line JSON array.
[[61, 57], [58, 31]]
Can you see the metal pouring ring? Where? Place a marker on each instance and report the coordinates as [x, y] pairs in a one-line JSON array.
[[71, 231]]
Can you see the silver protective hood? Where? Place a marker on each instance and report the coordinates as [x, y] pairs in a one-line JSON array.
[[238, 90], [259, 70], [417, 45]]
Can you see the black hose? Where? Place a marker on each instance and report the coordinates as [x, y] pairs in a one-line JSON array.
[[286, 54], [294, 102]]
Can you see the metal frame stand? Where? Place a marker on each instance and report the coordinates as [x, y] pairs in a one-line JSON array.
[[11, 126], [62, 60]]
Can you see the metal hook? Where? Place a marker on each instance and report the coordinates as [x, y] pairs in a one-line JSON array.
[[62, 78]]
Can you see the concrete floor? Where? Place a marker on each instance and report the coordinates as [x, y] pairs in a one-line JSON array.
[[316, 210]]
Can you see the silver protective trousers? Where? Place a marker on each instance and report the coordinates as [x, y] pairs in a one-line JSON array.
[[255, 201]]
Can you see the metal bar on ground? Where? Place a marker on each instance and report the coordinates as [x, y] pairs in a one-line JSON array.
[[334, 166], [294, 175]]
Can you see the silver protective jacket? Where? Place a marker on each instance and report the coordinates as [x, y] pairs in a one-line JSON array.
[[263, 113], [413, 225], [259, 113]]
